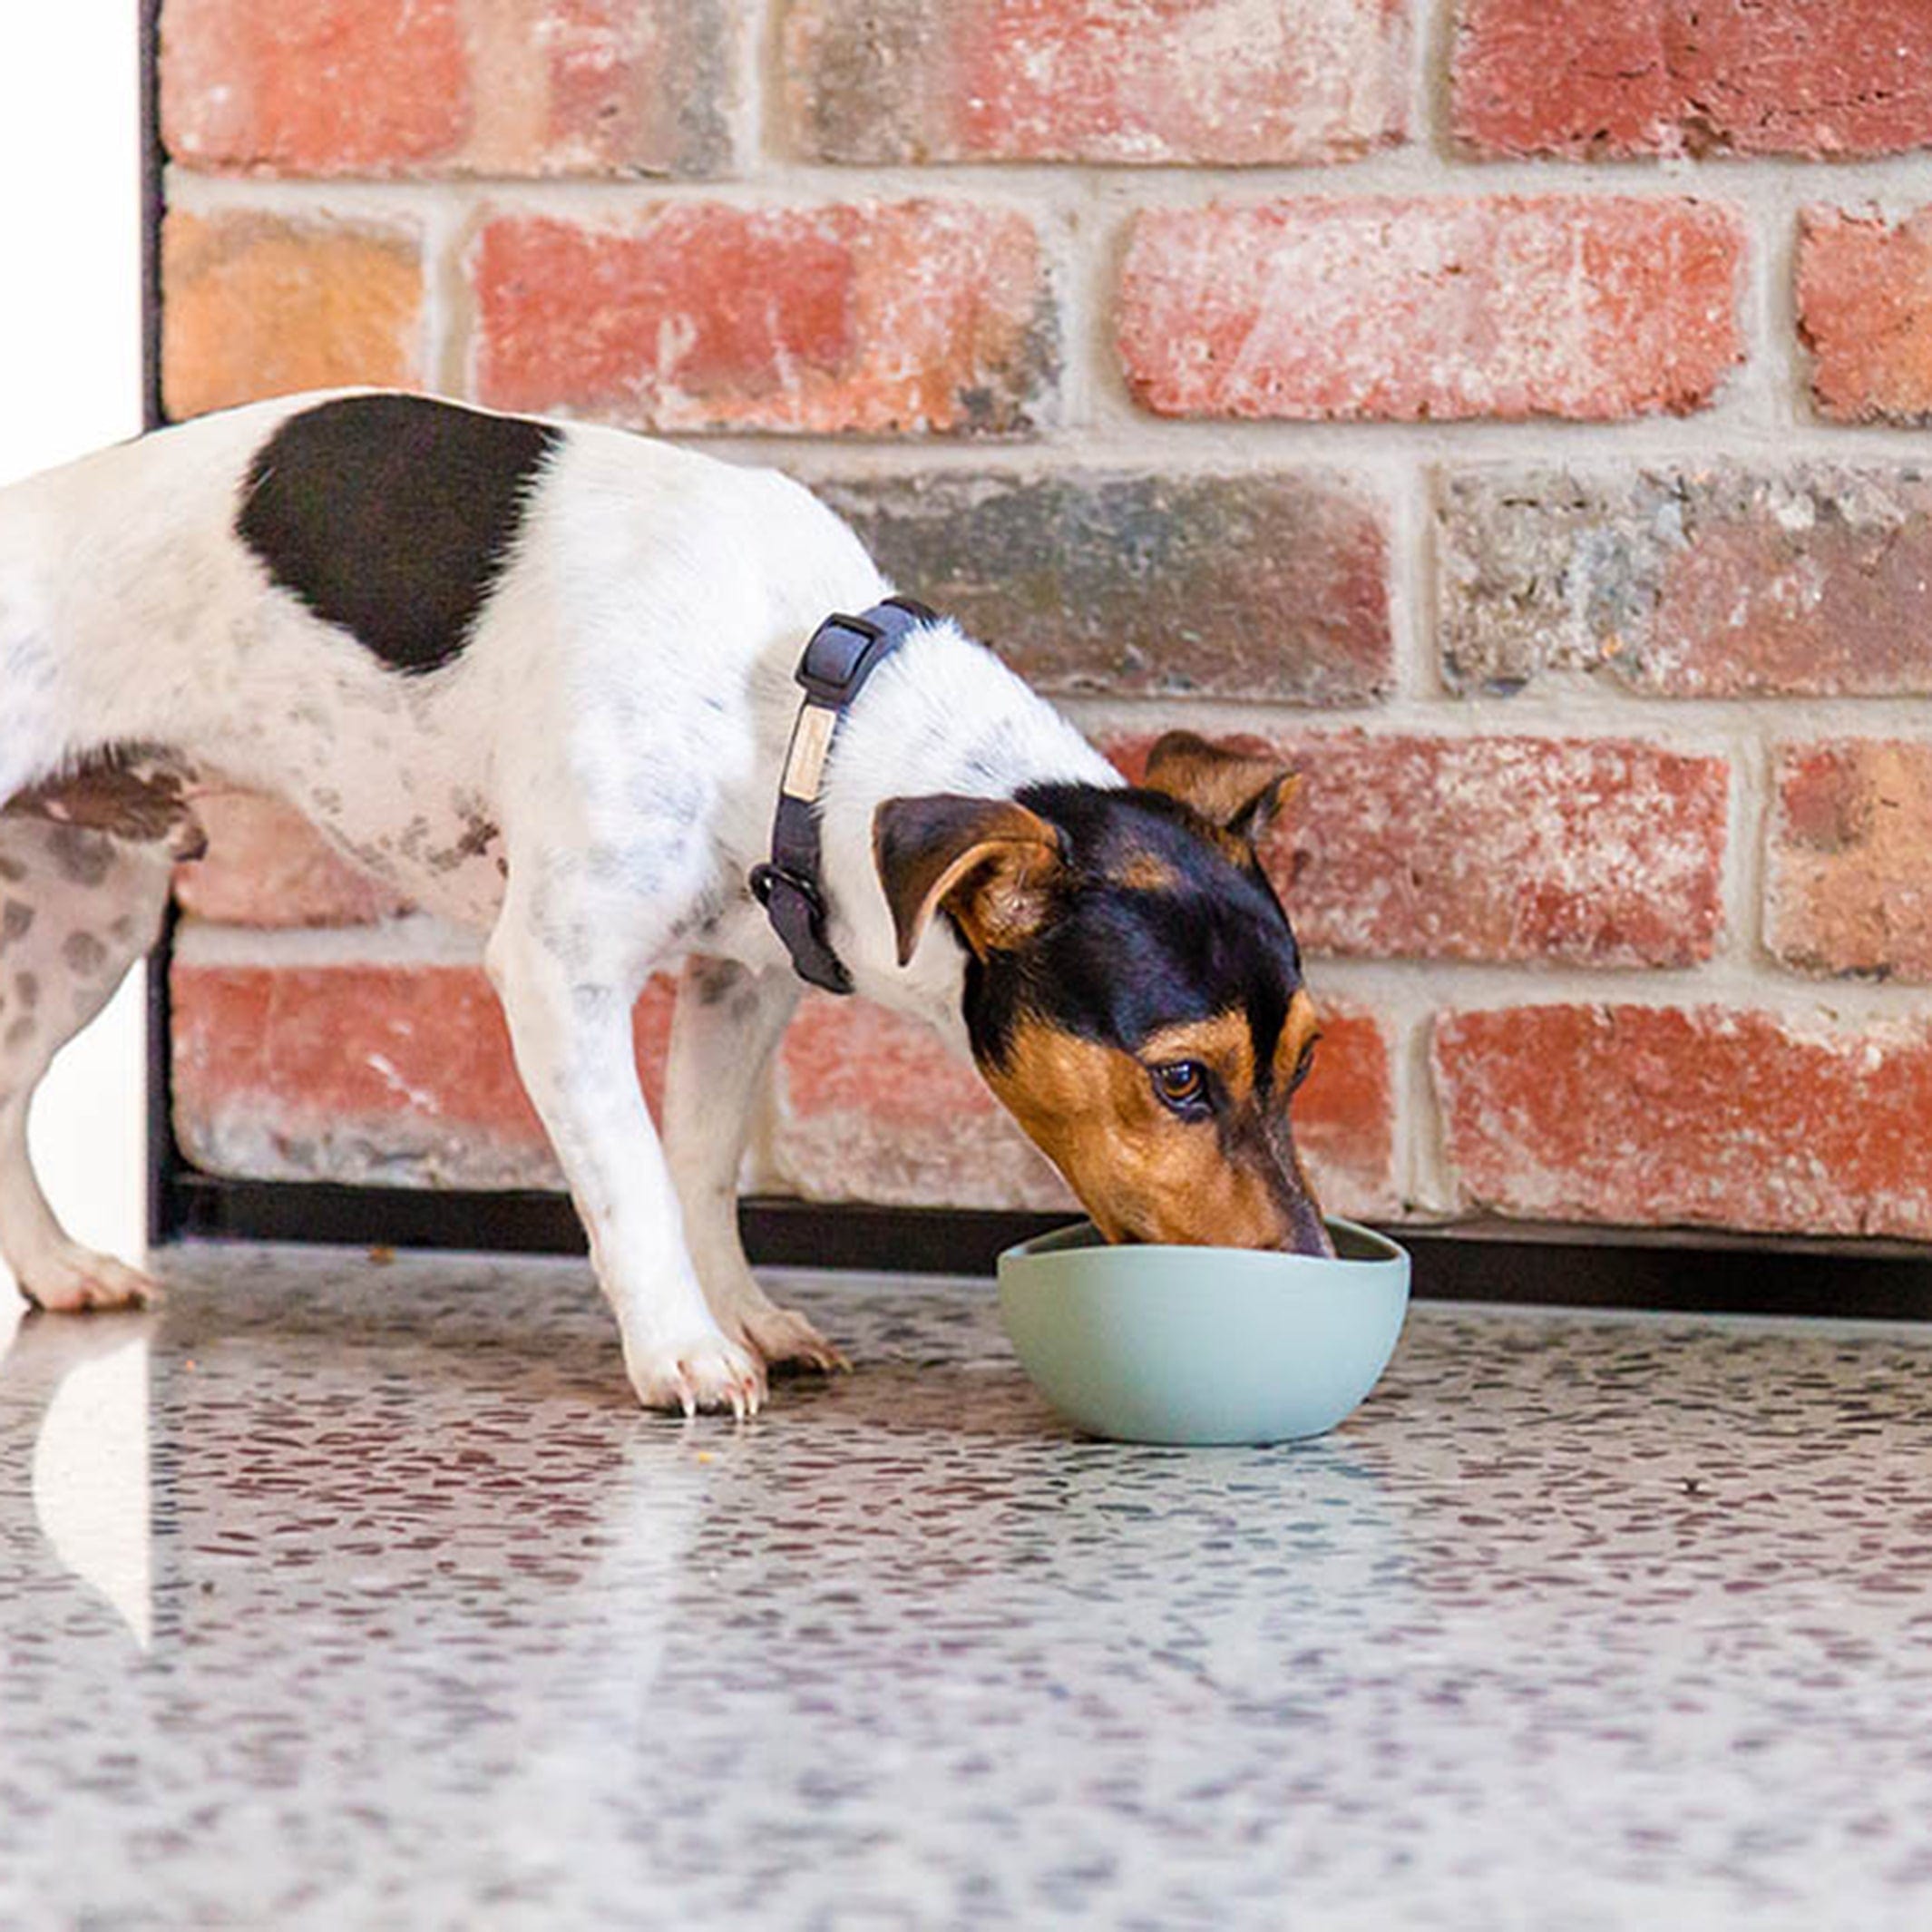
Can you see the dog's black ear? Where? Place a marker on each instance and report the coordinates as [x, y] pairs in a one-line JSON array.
[[989, 861], [1239, 791]]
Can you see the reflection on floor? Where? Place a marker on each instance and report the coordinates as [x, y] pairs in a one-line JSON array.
[[354, 1595]]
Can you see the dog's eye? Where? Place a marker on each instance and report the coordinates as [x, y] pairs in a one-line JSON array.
[[1182, 1084], [1306, 1064]]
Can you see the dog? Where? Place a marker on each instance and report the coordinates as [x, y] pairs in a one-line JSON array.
[[544, 678]]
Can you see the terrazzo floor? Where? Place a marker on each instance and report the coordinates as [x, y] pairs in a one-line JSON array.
[[350, 1595]]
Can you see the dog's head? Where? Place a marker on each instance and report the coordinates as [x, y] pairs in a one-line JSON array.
[[1133, 989]]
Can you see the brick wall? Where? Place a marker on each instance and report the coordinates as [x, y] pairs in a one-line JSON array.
[[1513, 409]]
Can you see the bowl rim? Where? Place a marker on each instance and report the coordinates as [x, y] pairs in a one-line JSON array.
[[1057, 1242]]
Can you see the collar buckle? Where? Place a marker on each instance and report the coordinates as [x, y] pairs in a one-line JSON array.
[[840, 655]]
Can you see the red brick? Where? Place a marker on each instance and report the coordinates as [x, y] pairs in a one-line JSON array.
[[1595, 79], [400, 1076], [313, 86], [1653, 1116], [1849, 859], [257, 305], [873, 1107], [1344, 1115], [266, 865], [1865, 312], [1598, 852], [1700, 581], [610, 87], [529, 87], [1412, 309], [883, 318], [1233, 82], [1267, 585]]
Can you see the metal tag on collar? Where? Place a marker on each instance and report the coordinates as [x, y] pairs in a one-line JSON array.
[[804, 763]]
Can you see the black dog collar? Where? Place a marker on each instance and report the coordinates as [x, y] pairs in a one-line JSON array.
[[844, 651]]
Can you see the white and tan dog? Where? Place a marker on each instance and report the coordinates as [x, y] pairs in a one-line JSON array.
[[540, 678]]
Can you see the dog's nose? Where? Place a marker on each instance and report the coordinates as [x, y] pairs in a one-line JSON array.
[[1308, 1233]]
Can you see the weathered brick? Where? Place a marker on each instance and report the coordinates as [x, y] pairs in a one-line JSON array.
[[1849, 858], [257, 305], [1600, 852], [1269, 585], [1595, 78], [387, 1075], [1713, 581], [608, 87], [886, 318], [312, 85], [1344, 1116], [1407, 309], [873, 1107], [1650, 1116], [402, 1076], [514, 87], [266, 865], [1865, 312], [1235, 82]]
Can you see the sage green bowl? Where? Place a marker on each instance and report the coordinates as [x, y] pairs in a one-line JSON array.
[[1199, 1345]]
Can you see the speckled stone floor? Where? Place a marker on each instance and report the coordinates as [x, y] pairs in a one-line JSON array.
[[350, 1595]]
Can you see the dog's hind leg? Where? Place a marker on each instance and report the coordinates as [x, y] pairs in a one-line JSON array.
[[77, 909], [725, 1023]]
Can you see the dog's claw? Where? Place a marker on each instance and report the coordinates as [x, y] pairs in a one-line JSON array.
[[783, 1335], [747, 1398], [709, 1374], [73, 1280]]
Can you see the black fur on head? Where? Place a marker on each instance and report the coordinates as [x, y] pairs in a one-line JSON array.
[[1156, 918]]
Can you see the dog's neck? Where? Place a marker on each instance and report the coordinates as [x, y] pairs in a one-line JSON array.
[[941, 714]]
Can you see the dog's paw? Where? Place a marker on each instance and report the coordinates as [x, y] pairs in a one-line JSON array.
[[703, 1371], [783, 1335], [73, 1280]]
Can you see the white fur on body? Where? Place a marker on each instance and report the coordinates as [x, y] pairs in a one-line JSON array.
[[590, 780]]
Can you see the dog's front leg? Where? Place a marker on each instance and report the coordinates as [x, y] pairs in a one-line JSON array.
[[571, 1024], [727, 1021]]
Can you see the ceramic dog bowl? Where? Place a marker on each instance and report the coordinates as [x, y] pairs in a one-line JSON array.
[[1197, 1345]]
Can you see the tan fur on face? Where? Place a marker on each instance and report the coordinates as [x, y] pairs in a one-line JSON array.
[[1139, 1170], [1224, 1042]]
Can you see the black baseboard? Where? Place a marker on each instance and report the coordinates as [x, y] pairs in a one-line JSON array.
[[778, 1232], [1685, 1271]]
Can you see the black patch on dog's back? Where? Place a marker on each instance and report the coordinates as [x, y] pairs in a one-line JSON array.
[[392, 515]]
